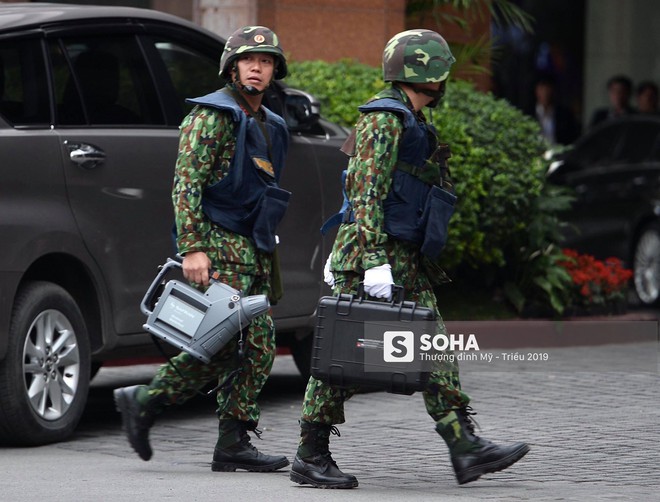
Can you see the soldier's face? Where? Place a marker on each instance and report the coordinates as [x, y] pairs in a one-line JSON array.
[[256, 69]]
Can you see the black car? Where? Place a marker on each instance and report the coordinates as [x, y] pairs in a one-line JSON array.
[[615, 173], [90, 103]]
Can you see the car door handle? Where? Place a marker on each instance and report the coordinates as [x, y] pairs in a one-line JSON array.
[[85, 155]]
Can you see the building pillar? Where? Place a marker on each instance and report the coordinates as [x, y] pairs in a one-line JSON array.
[[223, 17]]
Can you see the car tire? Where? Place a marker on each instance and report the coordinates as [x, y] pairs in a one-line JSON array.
[[646, 265], [301, 350], [44, 378]]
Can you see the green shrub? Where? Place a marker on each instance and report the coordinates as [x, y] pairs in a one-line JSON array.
[[497, 166], [498, 170], [340, 87]]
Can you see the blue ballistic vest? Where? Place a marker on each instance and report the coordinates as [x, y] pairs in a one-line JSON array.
[[416, 209], [248, 201]]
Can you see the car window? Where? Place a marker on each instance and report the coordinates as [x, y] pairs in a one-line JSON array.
[[638, 144], [23, 83], [103, 80], [598, 148], [193, 73]]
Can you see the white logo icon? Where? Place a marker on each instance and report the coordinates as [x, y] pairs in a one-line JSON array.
[[398, 346]]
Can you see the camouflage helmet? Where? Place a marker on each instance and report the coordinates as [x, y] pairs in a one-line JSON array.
[[252, 39], [417, 56]]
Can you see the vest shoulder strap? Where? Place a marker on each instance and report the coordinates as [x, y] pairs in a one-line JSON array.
[[220, 101], [390, 105]]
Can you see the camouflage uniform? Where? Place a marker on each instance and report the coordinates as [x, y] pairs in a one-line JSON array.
[[364, 244], [231, 152], [206, 147], [392, 141]]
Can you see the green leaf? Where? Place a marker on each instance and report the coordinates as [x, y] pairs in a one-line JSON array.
[[514, 295]]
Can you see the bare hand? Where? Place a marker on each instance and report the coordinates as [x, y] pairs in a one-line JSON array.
[[196, 267]]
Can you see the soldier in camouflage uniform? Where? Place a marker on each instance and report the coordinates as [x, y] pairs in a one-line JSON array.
[[231, 152], [388, 180]]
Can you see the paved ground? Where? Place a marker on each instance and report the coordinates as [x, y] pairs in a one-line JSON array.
[[591, 419]]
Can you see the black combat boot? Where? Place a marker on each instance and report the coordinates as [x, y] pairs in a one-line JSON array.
[[314, 464], [138, 412], [234, 450], [471, 455]]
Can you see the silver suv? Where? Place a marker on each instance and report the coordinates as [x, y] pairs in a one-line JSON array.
[[90, 103]]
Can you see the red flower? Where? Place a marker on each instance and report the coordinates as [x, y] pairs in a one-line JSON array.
[[595, 281]]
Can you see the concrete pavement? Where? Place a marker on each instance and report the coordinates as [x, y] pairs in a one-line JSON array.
[[591, 419]]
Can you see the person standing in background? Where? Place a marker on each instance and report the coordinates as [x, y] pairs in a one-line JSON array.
[[558, 124], [646, 96], [619, 92]]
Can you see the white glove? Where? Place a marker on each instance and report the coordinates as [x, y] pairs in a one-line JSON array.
[[328, 278], [378, 281]]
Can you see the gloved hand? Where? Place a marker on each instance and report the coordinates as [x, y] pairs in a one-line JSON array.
[[378, 281], [328, 278]]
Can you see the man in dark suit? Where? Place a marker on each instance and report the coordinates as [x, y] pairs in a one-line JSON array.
[[619, 91], [558, 124]]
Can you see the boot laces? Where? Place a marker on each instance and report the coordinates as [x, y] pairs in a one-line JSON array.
[[467, 412], [323, 445], [327, 455], [245, 437]]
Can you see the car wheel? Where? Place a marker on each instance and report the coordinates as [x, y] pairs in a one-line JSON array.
[[44, 378], [301, 350], [646, 265]]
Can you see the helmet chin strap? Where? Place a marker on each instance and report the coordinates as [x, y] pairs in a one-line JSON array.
[[436, 95]]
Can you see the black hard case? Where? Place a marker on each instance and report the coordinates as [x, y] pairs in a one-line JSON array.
[[338, 351]]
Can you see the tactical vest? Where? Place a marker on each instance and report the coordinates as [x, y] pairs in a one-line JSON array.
[[416, 209], [248, 201]]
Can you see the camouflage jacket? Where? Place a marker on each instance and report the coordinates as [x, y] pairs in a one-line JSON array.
[[364, 244], [206, 147]]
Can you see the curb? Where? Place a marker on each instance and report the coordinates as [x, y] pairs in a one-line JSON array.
[[569, 332]]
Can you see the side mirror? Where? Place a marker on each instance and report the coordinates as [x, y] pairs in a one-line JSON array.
[[301, 110]]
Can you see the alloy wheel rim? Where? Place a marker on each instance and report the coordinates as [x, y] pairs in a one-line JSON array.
[[647, 267], [51, 365]]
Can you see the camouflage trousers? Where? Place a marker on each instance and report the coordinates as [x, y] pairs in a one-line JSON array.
[[325, 404], [239, 399]]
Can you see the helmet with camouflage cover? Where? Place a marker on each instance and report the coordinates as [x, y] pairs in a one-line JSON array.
[[252, 39], [417, 56]]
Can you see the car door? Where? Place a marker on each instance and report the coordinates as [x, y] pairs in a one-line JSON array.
[[118, 154], [313, 174], [35, 216]]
